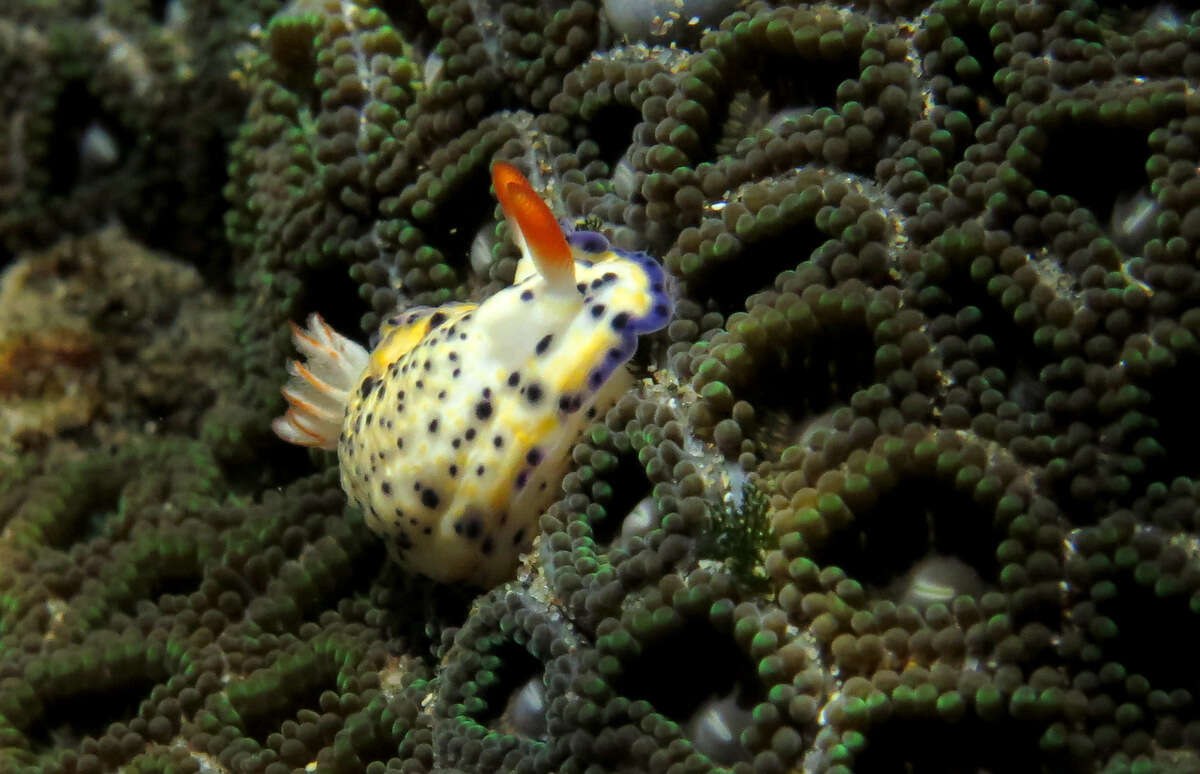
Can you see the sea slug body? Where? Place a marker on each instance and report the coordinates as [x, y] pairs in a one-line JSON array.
[[454, 433]]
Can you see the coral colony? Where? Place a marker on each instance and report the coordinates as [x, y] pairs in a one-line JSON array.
[[717, 386]]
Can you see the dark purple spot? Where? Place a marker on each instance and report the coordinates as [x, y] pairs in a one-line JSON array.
[[430, 499], [526, 295], [620, 321], [453, 471], [470, 433], [497, 442], [437, 319], [522, 479], [514, 379], [386, 487], [367, 385], [399, 443], [483, 409], [433, 426], [517, 538], [543, 344], [598, 311], [533, 456], [533, 393], [588, 241]]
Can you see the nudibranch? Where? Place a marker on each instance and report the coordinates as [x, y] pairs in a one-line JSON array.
[[453, 434]]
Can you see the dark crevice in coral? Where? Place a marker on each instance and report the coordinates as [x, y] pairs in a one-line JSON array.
[[330, 292], [75, 110], [367, 557], [665, 673], [774, 91], [980, 46], [278, 463], [66, 720], [517, 666], [88, 520], [1167, 662], [418, 611], [412, 22], [179, 581], [817, 87], [97, 523], [77, 163], [157, 9], [917, 518], [731, 281], [301, 693], [1172, 406], [611, 129], [193, 233], [452, 236], [629, 486], [924, 745], [976, 96], [1069, 165], [809, 377], [1013, 350]]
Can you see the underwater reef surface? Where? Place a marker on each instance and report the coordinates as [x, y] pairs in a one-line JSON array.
[[909, 483]]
